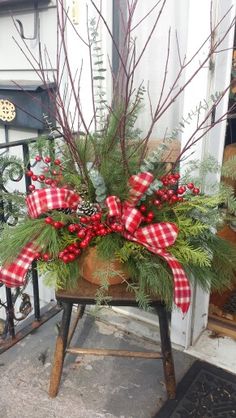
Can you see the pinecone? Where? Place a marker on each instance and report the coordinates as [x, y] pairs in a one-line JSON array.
[[87, 208]]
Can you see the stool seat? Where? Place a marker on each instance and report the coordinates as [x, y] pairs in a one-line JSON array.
[[85, 294]]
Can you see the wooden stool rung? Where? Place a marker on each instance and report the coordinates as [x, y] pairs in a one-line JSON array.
[[117, 353]]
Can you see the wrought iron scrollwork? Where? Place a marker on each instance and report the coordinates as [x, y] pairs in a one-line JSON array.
[[11, 170], [24, 310]]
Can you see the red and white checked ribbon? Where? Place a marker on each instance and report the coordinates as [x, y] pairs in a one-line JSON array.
[[39, 202], [155, 237], [13, 275], [44, 200]]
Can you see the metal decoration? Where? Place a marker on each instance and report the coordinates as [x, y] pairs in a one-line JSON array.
[[25, 306], [31, 100], [7, 110], [36, 25], [15, 173]]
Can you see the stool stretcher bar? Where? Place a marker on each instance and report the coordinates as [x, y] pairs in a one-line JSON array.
[[117, 353]]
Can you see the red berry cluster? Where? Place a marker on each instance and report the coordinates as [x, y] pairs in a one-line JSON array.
[[42, 256], [55, 224], [147, 217], [87, 228], [171, 195], [51, 174], [90, 227], [70, 253]]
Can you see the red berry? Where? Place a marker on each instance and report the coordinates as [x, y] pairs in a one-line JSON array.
[[48, 220], [160, 192], [41, 177], [45, 257], [190, 186], [46, 169], [61, 254], [71, 256], [34, 177], [48, 181], [37, 255], [83, 220], [77, 251], [84, 243], [71, 228], [180, 190], [150, 215], [164, 197], [29, 173], [31, 187], [98, 216], [58, 225], [81, 233], [47, 159], [54, 172], [170, 193], [156, 202], [57, 161], [38, 158], [65, 259], [165, 182], [142, 208], [174, 199], [196, 190], [176, 176]]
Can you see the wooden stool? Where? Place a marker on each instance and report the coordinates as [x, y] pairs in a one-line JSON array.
[[85, 295]]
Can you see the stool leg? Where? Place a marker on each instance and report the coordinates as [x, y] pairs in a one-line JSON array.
[[59, 354], [168, 363]]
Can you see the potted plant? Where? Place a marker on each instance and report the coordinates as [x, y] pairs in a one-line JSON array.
[[102, 193]]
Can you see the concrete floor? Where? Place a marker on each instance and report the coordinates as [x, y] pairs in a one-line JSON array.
[[91, 387]]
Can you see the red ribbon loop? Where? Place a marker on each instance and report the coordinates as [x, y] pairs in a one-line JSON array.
[[159, 235], [139, 184], [44, 200]]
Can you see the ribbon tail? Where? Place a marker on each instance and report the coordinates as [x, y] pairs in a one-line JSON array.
[[182, 291], [13, 275]]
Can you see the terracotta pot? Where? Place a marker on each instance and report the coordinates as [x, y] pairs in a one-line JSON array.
[[90, 263]]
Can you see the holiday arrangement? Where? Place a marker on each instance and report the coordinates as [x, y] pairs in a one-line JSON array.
[[103, 189], [162, 231]]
